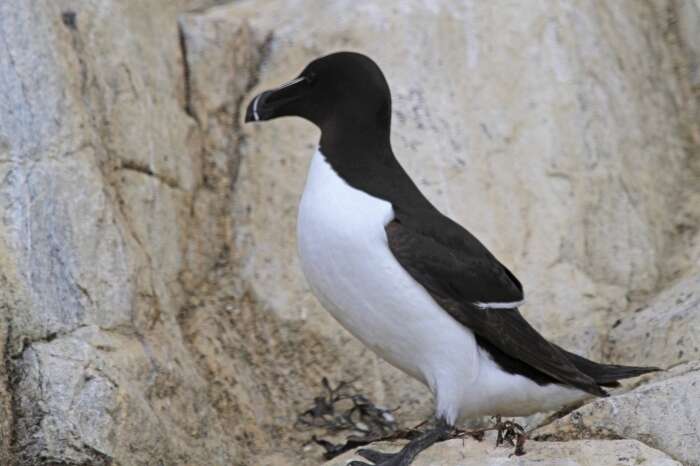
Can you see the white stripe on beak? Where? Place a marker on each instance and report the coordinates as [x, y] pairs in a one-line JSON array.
[[255, 108]]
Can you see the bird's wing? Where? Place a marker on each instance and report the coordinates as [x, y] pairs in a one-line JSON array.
[[458, 279]]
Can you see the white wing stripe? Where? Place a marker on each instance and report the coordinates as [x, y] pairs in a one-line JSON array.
[[511, 305]]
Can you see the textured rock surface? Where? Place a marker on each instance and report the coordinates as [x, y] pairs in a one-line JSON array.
[[151, 305], [689, 29], [6, 418], [664, 333], [687, 15], [101, 169], [661, 414], [578, 453]]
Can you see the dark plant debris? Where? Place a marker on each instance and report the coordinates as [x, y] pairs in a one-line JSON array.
[[343, 410], [508, 432]]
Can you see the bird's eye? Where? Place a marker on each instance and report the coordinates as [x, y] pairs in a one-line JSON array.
[[311, 78]]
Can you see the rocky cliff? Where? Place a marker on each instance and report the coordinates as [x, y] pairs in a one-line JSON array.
[[152, 310]]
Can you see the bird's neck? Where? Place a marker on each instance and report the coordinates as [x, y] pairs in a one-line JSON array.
[[364, 138], [363, 157], [355, 149]]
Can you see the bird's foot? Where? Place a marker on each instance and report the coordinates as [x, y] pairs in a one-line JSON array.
[[512, 433], [509, 432], [381, 459], [406, 455]]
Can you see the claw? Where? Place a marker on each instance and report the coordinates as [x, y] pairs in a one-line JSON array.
[[512, 433], [358, 463]]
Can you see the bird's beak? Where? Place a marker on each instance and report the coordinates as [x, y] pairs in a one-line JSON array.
[[275, 102]]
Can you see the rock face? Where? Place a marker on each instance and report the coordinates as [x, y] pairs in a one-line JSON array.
[[575, 453], [689, 31], [662, 414], [152, 310], [664, 333], [112, 207]]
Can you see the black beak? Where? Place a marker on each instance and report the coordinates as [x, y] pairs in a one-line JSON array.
[[271, 104], [257, 111]]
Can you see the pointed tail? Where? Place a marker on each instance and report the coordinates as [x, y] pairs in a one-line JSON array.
[[606, 375]]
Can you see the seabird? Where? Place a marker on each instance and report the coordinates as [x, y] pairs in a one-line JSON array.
[[410, 283]]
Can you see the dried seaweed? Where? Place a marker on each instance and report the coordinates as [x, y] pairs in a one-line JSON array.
[[508, 432], [344, 409]]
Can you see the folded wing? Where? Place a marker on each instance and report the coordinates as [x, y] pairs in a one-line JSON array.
[[462, 277]]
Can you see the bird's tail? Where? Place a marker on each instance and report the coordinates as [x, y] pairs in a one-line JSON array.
[[606, 375]]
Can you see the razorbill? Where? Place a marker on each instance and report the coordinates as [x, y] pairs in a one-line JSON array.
[[410, 283]]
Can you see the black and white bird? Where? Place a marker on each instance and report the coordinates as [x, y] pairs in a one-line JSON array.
[[410, 283]]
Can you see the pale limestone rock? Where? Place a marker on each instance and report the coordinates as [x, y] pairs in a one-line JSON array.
[[93, 397], [6, 418], [662, 414], [664, 333], [577, 453], [101, 167], [688, 12], [218, 77], [220, 64]]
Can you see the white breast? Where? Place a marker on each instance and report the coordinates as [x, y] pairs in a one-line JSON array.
[[348, 264], [349, 267]]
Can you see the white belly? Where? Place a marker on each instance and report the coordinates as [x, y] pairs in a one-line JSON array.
[[349, 267]]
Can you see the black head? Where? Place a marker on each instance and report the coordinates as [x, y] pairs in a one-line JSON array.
[[339, 91]]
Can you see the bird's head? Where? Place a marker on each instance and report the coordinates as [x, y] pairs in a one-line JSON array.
[[335, 92]]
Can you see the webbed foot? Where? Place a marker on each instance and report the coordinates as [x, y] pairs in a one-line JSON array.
[[379, 458], [408, 453]]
